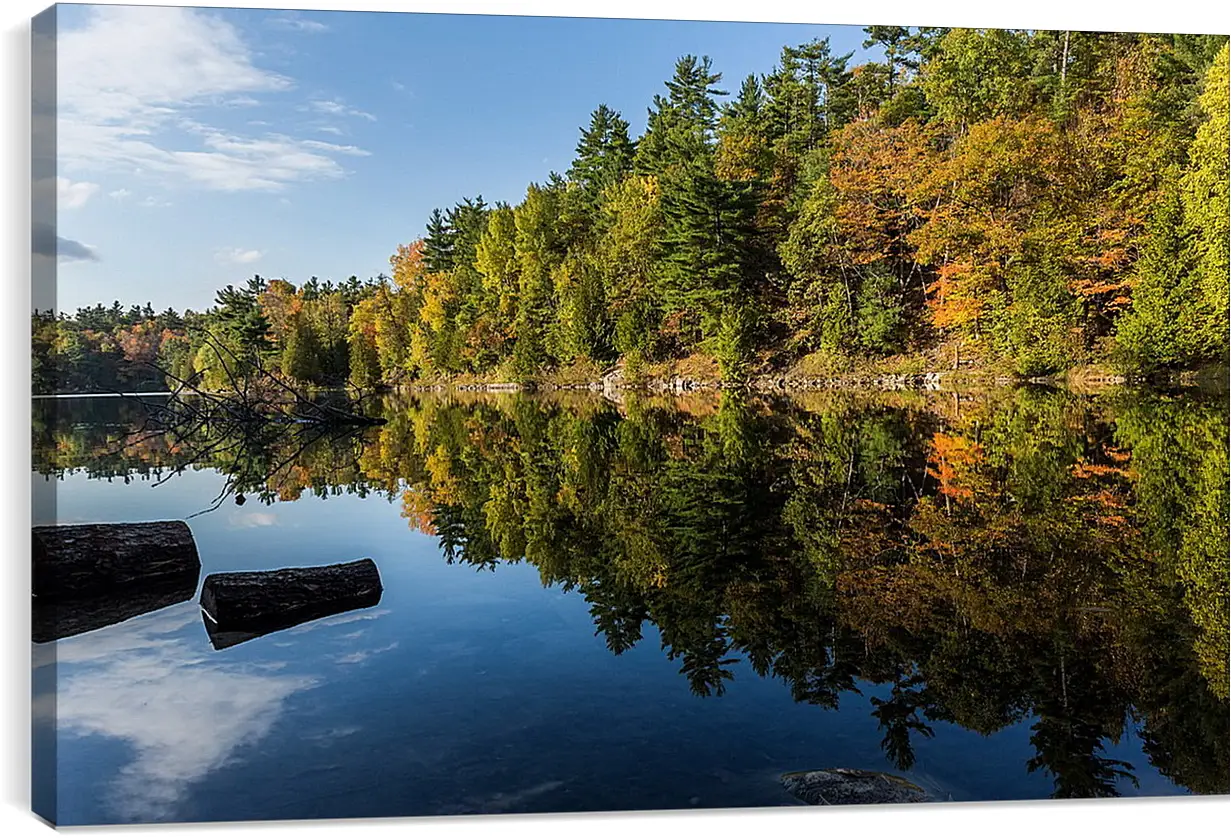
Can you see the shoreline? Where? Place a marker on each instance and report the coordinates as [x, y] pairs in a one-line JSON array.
[[886, 382], [1077, 380]]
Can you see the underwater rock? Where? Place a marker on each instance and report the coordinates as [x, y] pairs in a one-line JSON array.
[[851, 786]]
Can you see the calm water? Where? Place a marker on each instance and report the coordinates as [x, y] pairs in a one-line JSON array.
[[657, 605]]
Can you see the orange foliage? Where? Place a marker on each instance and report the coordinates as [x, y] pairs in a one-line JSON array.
[[417, 509], [408, 267], [140, 343], [953, 462], [872, 172]]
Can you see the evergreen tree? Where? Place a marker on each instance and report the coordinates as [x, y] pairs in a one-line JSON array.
[[604, 154], [439, 242], [1207, 204], [1163, 328], [243, 325]]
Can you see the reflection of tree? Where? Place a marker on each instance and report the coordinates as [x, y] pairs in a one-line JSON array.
[[898, 717], [1030, 558]]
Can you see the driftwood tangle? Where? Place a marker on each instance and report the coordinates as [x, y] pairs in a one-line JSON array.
[[92, 559], [240, 606]]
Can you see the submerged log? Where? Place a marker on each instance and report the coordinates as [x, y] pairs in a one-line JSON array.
[[55, 618], [90, 559], [240, 606], [851, 786]]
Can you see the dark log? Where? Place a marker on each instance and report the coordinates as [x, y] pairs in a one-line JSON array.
[[55, 618], [240, 606], [91, 559]]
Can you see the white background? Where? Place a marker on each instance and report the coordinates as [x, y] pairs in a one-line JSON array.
[[1094, 818]]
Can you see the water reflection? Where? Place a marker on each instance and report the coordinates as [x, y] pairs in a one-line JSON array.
[[59, 618], [149, 684], [1020, 557]]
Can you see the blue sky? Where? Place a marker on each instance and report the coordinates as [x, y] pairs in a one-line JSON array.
[[198, 147]]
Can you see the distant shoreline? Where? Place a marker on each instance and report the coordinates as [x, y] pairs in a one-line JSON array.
[[97, 395]]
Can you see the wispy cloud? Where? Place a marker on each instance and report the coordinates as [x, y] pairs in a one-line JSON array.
[[237, 256], [293, 22], [340, 620], [337, 149], [363, 654], [333, 107], [133, 75], [120, 194]]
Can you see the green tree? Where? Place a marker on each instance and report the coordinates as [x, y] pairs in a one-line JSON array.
[[1163, 329], [1207, 204]]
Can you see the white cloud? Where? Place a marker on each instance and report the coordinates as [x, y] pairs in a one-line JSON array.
[[292, 22], [249, 520], [236, 256], [242, 102], [154, 203], [337, 149], [363, 654], [120, 194], [70, 195], [182, 712], [134, 73], [340, 620], [335, 108]]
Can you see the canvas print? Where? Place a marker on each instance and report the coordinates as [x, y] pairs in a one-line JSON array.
[[459, 414]]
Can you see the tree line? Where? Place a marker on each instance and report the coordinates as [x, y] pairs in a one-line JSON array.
[[1022, 200]]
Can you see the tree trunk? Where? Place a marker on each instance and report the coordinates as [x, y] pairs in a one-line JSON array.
[[91, 559], [240, 606]]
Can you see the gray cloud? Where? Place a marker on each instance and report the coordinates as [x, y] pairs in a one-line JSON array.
[[45, 242]]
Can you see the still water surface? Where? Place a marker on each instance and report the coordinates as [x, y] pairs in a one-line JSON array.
[[657, 605]]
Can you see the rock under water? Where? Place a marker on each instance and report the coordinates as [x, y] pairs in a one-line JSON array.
[[851, 786]]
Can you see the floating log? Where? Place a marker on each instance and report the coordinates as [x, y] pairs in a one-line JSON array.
[[90, 559], [237, 607], [55, 618], [851, 786]]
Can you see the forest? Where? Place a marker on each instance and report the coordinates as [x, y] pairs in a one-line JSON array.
[[1024, 202]]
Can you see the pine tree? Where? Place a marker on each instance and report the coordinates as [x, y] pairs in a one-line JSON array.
[[243, 325], [439, 242], [1163, 328], [604, 154], [1207, 203], [682, 123], [895, 41]]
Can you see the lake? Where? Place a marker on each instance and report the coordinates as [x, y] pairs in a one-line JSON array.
[[658, 604]]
